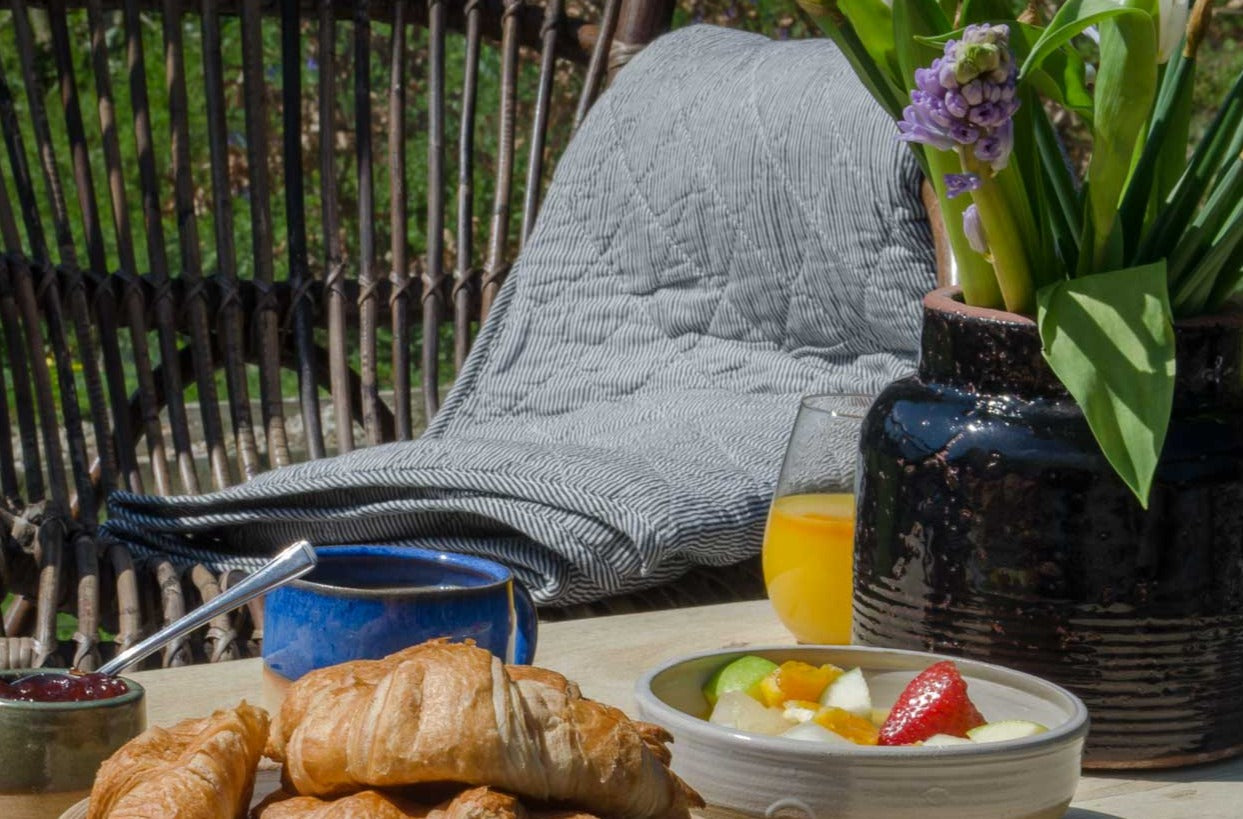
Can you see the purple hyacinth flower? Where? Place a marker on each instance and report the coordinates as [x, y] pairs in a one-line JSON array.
[[926, 80], [995, 148], [956, 104], [960, 183], [964, 134], [966, 97], [987, 115], [913, 129]]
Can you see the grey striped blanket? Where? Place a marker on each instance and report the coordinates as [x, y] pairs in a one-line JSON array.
[[734, 226]]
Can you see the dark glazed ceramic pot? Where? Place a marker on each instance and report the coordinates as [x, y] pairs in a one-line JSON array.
[[991, 526]]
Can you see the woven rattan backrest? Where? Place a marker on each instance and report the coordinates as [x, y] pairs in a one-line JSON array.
[[187, 240]]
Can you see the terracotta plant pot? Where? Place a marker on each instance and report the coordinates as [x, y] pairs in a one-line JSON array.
[[991, 526]]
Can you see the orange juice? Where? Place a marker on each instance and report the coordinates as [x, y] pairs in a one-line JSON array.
[[809, 564]]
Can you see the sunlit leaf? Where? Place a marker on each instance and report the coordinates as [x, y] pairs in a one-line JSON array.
[[1109, 337]]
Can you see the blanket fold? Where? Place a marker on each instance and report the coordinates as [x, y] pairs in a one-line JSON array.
[[733, 226]]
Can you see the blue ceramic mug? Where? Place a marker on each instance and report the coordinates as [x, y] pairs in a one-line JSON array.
[[365, 602]]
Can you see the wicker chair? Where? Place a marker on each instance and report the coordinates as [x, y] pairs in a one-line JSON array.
[[85, 320]]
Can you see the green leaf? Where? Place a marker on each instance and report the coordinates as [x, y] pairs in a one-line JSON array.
[[913, 19], [1126, 84], [1063, 79], [1070, 21], [877, 78], [1059, 185], [1175, 113], [873, 22], [1218, 145], [1164, 148], [1189, 277], [1110, 339], [1210, 280], [1228, 281]]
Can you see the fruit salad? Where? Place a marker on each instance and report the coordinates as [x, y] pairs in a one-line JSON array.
[[797, 700]]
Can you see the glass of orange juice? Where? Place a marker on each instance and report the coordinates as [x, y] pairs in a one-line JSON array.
[[809, 541]]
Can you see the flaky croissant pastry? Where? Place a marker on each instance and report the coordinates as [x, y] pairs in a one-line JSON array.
[[198, 769], [442, 712], [361, 805], [476, 803]]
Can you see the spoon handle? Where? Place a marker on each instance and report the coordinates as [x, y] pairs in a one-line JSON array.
[[294, 561]]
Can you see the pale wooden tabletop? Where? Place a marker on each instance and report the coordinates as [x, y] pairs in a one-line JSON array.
[[607, 654]]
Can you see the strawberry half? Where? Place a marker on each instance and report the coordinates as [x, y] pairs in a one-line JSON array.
[[935, 702]]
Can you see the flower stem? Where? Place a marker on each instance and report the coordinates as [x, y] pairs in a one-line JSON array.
[[975, 274], [1005, 240]]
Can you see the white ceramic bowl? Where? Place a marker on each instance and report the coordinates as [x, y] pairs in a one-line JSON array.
[[755, 775]]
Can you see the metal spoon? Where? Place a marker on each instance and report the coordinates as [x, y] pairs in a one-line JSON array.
[[293, 562]]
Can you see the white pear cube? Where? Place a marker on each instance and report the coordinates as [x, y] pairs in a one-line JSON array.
[[849, 692], [1005, 729], [795, 712], [743, 713]]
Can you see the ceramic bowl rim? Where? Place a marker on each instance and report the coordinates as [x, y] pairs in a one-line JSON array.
[[134, 695], [497, 574], [1073, 728]]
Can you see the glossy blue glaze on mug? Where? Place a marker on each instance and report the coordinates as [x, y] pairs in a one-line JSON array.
[[365, 602]]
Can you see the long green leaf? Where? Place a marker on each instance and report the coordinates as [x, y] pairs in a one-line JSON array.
[[1173, 159], [1021, 182], [883, 87], [1126, 84], [1213, 278], [1201, 257], [1062, 75], [872, 20], [1059, 182], [1220, 142], [1197, 240], [1070, 21], [1165, 147], [912, 19], [1110, 339], [1228, 282]]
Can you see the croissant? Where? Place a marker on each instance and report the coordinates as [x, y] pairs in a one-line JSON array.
[[476, 803], [198, 769], [361, 805], [442, 712]]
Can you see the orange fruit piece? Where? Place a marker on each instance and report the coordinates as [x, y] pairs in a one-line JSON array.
[[856, 729], [796, 680]]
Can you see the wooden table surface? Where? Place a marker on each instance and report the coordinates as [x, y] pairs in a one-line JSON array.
[[607, 654]]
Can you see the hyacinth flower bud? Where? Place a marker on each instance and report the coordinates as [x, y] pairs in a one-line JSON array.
[[974, 230]]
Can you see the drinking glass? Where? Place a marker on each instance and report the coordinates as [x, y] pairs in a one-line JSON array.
[[809, 541]]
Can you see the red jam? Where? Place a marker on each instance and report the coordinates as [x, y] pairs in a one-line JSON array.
[[63, 688]]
